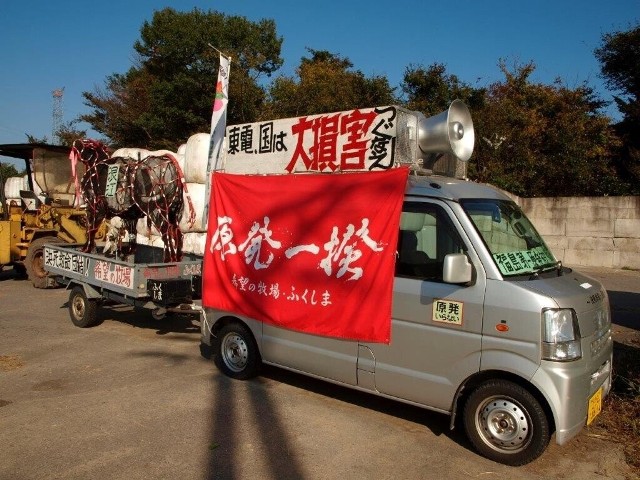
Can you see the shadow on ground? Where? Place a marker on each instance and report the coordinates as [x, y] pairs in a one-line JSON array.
[[271, 433], [142, 318], [625, 309]]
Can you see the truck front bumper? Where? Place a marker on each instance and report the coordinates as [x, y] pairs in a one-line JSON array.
[[569, 386]]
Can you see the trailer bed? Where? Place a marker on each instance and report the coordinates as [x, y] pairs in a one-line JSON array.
[[129, 278]]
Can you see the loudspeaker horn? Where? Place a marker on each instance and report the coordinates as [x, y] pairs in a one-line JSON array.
[[448, 132]]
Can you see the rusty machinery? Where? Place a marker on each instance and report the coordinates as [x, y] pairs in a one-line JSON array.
[[44, 213]]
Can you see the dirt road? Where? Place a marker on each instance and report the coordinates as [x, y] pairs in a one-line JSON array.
[[133, 399]]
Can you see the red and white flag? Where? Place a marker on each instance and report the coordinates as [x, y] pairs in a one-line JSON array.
[[313, 253]]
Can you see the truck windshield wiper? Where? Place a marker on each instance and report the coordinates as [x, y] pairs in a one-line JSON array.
[[546, 268]]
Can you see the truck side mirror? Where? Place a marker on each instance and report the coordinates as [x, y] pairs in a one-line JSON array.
[[457, 268]]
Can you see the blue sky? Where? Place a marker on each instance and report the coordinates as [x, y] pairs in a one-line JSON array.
[[47, 45]]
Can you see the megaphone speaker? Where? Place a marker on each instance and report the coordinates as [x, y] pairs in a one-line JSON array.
[[448, 132]]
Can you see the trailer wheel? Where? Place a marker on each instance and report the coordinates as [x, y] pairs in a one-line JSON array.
[[237, 355], [506, 423], [159, 313], [82, 310], [34, 262]]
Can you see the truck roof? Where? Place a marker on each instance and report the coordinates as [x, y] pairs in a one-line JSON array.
[[451, 188]]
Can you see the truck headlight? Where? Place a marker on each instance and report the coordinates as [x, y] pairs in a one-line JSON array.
[[560, 335]]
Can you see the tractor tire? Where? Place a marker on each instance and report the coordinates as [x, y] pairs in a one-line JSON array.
[[34, 262]]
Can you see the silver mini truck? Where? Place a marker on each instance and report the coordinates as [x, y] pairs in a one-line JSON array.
[[487, 326]]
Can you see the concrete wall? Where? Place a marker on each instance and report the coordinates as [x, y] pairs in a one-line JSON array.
[[589, 231]]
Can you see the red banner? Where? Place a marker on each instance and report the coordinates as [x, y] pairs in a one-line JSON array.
[[313, 253]]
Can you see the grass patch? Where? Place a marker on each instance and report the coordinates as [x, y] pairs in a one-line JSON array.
[[620, 417]]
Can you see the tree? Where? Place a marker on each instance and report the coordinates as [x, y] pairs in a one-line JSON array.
[[34, 139], [167, 95], [619, 55], [543, 140], [119, 109], [326, 82], [68, 133], [431, 90], [65, 135], [7, 170]]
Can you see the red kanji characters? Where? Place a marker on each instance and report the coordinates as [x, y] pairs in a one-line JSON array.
[[326, 152], [355, 125]]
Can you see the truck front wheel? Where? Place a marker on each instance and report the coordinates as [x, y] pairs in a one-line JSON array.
[[237, 355], [82, 310], [506, 423]]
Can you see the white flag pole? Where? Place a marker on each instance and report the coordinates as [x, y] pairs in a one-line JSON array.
[[218, 126]]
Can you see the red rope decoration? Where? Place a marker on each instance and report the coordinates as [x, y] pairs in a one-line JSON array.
[[151, 187]]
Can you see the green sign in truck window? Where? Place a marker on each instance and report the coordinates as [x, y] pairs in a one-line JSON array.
[[524, 261], [515, 245]]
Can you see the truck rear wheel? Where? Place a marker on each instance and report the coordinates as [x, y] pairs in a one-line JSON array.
[[506, 423], [237, 355], [34, 262], [82, 310]]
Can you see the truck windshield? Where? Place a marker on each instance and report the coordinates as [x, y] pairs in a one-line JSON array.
[[514, 244]]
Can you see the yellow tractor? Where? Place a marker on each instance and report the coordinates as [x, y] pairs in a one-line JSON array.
[[38, 208]]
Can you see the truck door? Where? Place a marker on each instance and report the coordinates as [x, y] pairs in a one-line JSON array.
[[436, 327], [329, 358]]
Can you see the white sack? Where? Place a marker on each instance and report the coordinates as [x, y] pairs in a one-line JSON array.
[[196, 158], [141, 239], [154, 241], [197, 193], [12, 187], [142, 229], [130, 152], [194, 242]]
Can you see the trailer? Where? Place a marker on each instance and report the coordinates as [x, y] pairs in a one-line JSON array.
[[140, 279]]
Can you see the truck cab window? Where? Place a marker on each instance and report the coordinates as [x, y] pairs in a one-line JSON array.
[[426, 237], [515, 245]]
